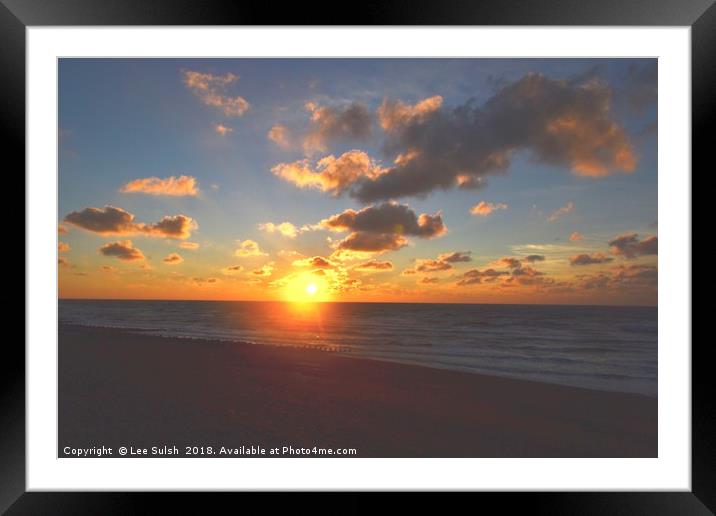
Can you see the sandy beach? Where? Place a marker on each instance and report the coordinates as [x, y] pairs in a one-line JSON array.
[[121, 389]]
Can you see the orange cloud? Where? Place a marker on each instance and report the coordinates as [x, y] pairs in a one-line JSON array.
[[370, 243], [428, 280], [335, 123], [189, 245], [116, 221], [483, 208], [443, 262], [629, 245], [171, 186], [210, 90], [316, 262], [63, 247], [576, 237], [394, 114], [284, 228], [280, 135], [122, 250], [222, 129], [266, 270], [248, 248], [62, 229], [374, 266], [561, 122], [560, 212], [173, 259], [333, 175]]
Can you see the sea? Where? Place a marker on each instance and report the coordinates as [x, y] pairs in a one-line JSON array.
[[611, 348]]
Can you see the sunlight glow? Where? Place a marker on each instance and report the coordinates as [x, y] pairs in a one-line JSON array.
[[307, 287]]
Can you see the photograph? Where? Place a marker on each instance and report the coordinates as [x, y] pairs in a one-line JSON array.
[[379, 257]]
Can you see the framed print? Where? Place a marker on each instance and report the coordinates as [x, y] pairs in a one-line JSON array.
[[451, 255]]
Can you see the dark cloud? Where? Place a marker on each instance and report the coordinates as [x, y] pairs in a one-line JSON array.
[[374, 266], [427, 280], [444, 262], [456, 257], [388, 217], [365, 242], [173, 259], [116, 221], [316, 262], [336, 124], [629, 245], [122, 250], [590, 259], [621, 277], [509, 262], [532, 258], [559, 122], [475, 276]]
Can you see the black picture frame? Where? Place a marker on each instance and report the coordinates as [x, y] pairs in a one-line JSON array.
[[16, 15]]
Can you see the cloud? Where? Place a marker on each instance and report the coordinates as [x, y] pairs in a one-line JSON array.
[[233, 269], [331, 174], [173, 259], [204, 281], [62, 229], [266, 270], [316, 262], [564, 123], [63, 247], [443, 262], [284, 228], [222, 129], [248, 248], [629, 246], [210, 89], [371, 243], [329, 124], [509, 262], [387, 218], [621, 277], [484, 209], [108, 269], [427, 280], [122, 250], [394, 115], [590, 259], [280, 135], [189, 245], [560, 212], [63, 262], [476, 276], [374, 266], [171, 186], [455, 257], [116, 221], [532, 258]]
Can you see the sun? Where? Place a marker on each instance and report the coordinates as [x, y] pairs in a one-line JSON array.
[[307, 287]]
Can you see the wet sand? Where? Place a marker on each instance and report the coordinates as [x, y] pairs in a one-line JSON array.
[[121, 389]]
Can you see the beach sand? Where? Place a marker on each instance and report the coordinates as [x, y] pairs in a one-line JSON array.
[[121, 389]]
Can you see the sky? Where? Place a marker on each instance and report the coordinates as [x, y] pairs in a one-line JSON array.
[[392, 180]]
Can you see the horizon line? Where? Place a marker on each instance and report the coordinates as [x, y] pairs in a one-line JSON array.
[[349, 302]]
